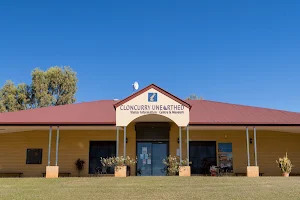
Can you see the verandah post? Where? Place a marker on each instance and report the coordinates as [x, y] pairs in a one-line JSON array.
[[117, 142], [187, 143], [57, 143], [124, 141], [180, 144], [248, 151], [255, 147], [49, 145]]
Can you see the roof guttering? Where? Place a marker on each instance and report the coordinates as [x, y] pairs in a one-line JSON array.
[[241, 124], [58, 124]]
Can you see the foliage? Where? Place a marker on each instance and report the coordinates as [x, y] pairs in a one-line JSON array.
[[118, 161], [173, 163], [56, 86], [9, 97], [194, 97], [285, 164], [185, 162], [79, 165]]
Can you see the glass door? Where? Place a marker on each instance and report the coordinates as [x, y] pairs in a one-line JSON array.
[[150, 156], [160, 152], [144, 162]]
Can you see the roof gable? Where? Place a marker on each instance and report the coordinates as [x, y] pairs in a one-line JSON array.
[[153, 86]]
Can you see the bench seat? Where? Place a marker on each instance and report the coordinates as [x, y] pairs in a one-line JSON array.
[[11, 174]]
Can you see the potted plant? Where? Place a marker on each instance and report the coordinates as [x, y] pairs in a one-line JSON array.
[[285, 165], [174, 166], [184, 168], [119, 163], [79, 165]]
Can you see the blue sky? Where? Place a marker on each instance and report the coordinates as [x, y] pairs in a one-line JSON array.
[[244, 52]]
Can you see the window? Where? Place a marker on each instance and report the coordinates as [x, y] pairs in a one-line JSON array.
[[100, 149], [225, 156], [34, 156]]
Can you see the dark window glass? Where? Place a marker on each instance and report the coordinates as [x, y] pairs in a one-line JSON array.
[[202, 156], [34, 156], [100, 149], [152, 131]]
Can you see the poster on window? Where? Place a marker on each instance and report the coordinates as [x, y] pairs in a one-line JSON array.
[[225, 157], [225, 147], [177, 152], [144, 150]]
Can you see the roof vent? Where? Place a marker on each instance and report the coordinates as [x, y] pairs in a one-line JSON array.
[[116, 99]]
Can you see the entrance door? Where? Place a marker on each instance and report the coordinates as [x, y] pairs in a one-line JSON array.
[[202, 156], [150, 156]]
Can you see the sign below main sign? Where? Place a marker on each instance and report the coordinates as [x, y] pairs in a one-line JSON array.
[[153, 109]]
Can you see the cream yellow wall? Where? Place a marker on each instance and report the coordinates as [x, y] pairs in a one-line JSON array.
[[75, 144], [130, 146], [13, 152], [237, 138], [270, 146]]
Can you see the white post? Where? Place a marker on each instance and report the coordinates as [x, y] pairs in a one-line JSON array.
[[180, 144], [187, 143], [117, 142], [124, 141], [248, 151], [57, 142], [255, 147], [49, 147]]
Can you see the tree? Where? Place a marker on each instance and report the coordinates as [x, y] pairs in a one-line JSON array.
[[56, 86], [8, 97], [23, 97], [40, 96], [194, 97], [62, 85]]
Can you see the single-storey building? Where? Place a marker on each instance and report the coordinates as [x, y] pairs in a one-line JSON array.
[[149, 125]]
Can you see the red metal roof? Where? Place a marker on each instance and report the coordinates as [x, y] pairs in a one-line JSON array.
[[103, 113], [97, 112], [211, 112]]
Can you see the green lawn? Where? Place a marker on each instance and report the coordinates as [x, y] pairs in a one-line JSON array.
[[143, 188]]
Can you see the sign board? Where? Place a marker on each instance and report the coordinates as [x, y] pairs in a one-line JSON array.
[[152, 102], [225, 156]]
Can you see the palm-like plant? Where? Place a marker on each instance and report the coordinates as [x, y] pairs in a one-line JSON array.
[[285, 164]]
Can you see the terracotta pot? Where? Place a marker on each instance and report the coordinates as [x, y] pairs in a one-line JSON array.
[[184, 171], [120, 171], [285, 174], [213, 173]]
